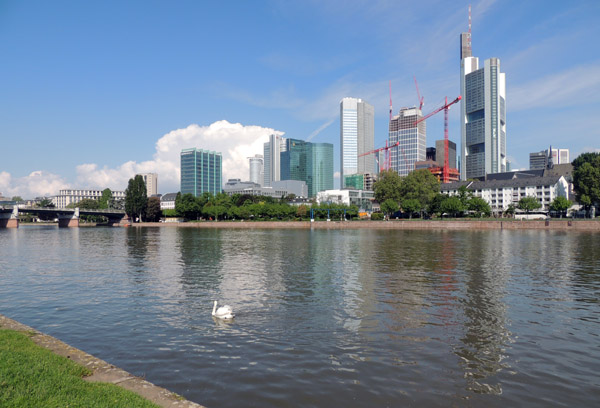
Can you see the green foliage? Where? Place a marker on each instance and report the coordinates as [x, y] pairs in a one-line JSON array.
[[411, 206], [302, 211], [586, 179], [169, 213], [135, 198], [31, 376], [560, 204], [17, 198], [376, 216], [153, 211], [478, 206], [419, 185], [86, 204], [528, 204], [387, 186], [45, 203], [435, 204], [510, 210], [105, 199], [389, 206], [452, 206]]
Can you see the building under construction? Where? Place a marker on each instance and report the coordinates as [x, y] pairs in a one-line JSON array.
[[408, 140]]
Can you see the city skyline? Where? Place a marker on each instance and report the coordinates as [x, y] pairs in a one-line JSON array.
[[120, 89]]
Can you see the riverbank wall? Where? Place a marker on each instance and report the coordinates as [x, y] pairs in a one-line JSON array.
[[101, 370], [471, 224]]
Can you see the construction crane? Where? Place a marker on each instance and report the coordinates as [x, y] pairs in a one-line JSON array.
[[445, 108], [386, 149]]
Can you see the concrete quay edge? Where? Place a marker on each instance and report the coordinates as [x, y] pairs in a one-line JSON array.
[[555, 225], [101, 370]]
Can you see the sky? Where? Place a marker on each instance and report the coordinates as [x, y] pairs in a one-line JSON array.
[[93, 92]]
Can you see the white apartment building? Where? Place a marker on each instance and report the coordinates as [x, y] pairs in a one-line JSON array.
[[361, 198], [70, 196], [499, 194]]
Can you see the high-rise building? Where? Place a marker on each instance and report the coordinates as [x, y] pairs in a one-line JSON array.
[[151, 180], [412, 138], [320, 168], [201, 172], [439, 148], [483, 114], [256, 165], [272, 159], [541, 160], [357, 136], [308, 162]]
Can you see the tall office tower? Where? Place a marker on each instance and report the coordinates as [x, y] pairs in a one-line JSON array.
[[357, 136], [201, 172], [151, 180], [541, 160], [272, 159], [439, 147], [294, 164], [257, 169], [412, 138], [430, 153], [320, 168], [483, 114]]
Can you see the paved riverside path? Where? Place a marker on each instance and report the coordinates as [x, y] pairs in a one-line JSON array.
[[101, 370]]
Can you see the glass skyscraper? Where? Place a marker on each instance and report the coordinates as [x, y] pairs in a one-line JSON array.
[[357, 136], [411, 139], [201, 172], [483, 114], [320, 168]]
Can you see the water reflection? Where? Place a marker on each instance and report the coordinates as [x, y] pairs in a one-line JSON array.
[[485, 340]]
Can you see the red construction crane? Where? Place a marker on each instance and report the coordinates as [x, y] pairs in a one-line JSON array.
[[421, 99], [446, 170], [386, 149]]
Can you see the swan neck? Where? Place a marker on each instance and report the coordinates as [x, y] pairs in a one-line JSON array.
[[214, 308]]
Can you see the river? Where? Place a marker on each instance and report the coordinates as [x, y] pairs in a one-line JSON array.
[[324, 318]]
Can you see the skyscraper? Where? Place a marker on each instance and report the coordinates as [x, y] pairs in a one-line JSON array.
[[256, 165], [272, 150], [483, 114], [357, 136], [541, 160], [320, 168], [439, 148], [412, 139], [201, 171], [151, 180]]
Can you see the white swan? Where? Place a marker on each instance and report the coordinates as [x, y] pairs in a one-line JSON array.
[[224, 312]]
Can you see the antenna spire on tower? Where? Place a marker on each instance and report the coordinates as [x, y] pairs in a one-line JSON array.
[[469, 36]]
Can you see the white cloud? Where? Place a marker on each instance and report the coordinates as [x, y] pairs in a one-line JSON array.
[[234, 141], [576, 86], [36, 184]]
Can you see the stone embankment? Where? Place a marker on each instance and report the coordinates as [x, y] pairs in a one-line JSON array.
[[101, 370], [562, 225]]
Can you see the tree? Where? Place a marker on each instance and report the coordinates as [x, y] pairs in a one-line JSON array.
[[452, 205], [135, 198], [153, 211], [510, 210], [435, 204], [388, 186], [389, 207], [105, 199], [420, 185], [560, 204], [528, 204], [479, 206], [17, 199], [301, 211], [411, 205], [586, 179], [45, 202], [188, 206]]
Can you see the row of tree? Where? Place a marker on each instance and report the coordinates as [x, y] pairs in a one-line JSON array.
[[248, 207]]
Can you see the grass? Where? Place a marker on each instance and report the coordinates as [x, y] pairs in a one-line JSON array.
[[31, 376]]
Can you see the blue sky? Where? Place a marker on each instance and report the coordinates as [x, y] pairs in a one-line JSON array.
[[93, 92]]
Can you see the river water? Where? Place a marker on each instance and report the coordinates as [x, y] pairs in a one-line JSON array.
[[324, 318]]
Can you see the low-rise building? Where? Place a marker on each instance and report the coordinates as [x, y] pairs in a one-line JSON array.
[[278, 189], [167, 201], [70, 196], [502, 192], [363, 199]]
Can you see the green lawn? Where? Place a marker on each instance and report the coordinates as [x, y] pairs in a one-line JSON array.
[[31, 376]]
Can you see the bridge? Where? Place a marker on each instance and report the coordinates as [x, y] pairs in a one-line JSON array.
[[67, 217]]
